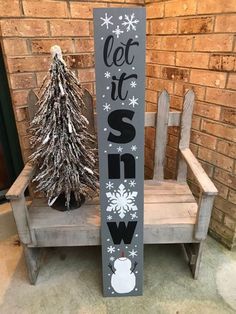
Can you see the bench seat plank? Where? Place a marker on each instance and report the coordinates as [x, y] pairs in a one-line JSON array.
[[165, 214]]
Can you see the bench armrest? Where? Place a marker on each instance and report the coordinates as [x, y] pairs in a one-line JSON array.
[[21, 183], [204, 181]]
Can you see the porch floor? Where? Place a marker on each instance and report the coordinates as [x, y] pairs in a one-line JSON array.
[[70, 280]]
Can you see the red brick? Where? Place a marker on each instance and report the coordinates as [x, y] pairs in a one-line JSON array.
[[40, 76], [216, 42], [151, 96], [229, 222], [222, 62], [84, 45], [152, 42], [222, 233], [228, 115], [44, 45], [217, 214], [80, 61], [215, 158], [222, 97], [155, 10], [196, 25], [226, 148], [84, 10], [160, 57], [150, 137], [153, 70], [192, 60], [21, 114], [87, 75], [225, 177], [24, 28], [158, 85], [28, 64], [69, 28], [207, 110], [176, 103], [196, 122], [176, 8], [14, 47], [215, 6], [203, 139], [20, 97], [222, 189], [45, 8], [225, 206], [175, 74], [9, 8], [225, 23], [219, 130], [175, 43], [23, 81], [208, 78], [181, 88], [231, 81], [163, 26], [232, 196]]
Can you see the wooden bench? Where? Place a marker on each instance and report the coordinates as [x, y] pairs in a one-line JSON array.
[[171, 213]]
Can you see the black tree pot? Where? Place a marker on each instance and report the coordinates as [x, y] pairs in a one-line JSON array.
[[60, 202]]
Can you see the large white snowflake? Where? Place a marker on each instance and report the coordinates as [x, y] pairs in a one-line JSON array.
[[118, 31], [106, 20], [130, 22], [133, 101], [121, 201]]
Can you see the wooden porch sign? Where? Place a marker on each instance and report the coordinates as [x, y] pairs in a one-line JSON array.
[[120, 78]]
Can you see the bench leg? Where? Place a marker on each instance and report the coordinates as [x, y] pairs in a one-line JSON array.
[[32, 258], [194, 253]]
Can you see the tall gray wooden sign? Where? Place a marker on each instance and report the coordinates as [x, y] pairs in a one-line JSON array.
[[120, 79]]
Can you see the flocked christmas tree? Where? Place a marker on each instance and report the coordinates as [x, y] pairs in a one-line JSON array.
[[60, 139]]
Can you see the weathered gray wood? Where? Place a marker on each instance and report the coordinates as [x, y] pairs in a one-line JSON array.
[[194, 253], [32, 258], [19, 209], [31, 104], [63, 236], [161, 136], [204, 216], [199, 173], [21, 183], [173, 120], [186, 122]]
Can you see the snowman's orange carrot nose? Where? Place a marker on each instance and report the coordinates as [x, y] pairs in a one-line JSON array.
[[122, 254]]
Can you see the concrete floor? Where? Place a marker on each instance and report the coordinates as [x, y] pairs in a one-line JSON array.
[[70, 281]]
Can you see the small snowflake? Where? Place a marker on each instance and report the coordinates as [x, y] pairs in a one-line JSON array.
[[107, 74], [133, 253], [107, 107], [132, 183], [133, 84], [111, 249], [120, 17], [121, 201], [106, 20], [130, 22], [109, 217], [133, 216], [133, 101], [119, 149], [109, 185], [117, 31], [112, 258], [133, 148]]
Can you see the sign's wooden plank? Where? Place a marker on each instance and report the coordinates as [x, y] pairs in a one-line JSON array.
[[120, 85]]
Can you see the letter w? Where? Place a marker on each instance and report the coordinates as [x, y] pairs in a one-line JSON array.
[[122, 232]]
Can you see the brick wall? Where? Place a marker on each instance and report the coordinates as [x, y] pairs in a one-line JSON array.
[[29, 28], [190, 43]]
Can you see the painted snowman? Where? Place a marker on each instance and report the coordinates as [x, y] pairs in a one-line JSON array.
[[123, 279]]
